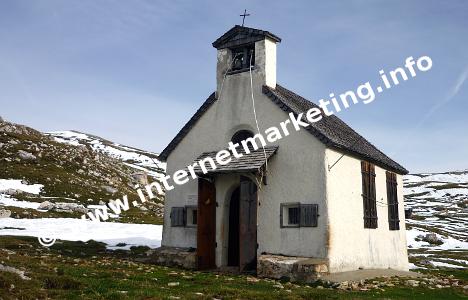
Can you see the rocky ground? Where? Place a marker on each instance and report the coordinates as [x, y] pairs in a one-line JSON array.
[[77, 270], [74, 172], [437, 231]]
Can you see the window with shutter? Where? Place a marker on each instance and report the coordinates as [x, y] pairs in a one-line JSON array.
[[298, 215], [178, 217], [392, 202], [369, 195]]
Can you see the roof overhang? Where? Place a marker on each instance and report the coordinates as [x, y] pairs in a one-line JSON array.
[[239, 35], [248, 163]]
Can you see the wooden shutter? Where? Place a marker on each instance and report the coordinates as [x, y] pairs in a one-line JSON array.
[[392, 202], [369, 195], [309, 215], [178, 216]]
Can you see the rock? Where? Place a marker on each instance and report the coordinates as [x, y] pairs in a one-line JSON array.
[[1, 119], [11, 192], [432, 239], [465, 287], [291, 268], [4, 213], [109, 189], [173, 257], [252, 279], [173, 284], [14, 271], [62, 207], [140, 177], [26, 155], [413, 283], [46, 205]]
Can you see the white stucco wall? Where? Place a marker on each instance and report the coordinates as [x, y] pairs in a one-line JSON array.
[[352, 246], [296, 172]]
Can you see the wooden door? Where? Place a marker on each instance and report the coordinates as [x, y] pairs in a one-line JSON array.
[[248, 225], [206, 227]]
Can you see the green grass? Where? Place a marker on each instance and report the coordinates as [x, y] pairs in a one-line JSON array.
[[77, 270], [57, 169]]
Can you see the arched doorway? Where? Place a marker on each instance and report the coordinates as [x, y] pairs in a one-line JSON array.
[[242, 237]]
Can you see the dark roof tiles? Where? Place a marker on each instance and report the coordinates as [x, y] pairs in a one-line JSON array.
[[331, 130], [251, 162]]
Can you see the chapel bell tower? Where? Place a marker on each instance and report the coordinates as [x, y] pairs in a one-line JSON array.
[[242, 47]]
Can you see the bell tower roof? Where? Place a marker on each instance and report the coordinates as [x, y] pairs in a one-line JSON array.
[[240, 35]]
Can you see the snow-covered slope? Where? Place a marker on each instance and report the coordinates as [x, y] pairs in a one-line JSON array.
[[133, 157], [437, 231]]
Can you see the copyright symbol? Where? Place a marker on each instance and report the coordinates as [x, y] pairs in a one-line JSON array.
[[46, 242]]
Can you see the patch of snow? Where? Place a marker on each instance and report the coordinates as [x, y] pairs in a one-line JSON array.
[[82, 230], [449, 243], [413, 267], [16, 184], [135, 158], [6, 200], [446, 265]]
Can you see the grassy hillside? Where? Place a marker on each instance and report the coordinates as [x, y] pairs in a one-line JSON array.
[[72, 172]]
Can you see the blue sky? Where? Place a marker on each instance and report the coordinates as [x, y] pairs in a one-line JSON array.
[[135, 71]]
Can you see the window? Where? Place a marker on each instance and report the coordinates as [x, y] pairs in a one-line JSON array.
[[191, 216], [242, 57], [240, 136], [392, 202], [293, 215], [178, 217], [368, 194], [298, 215], [184, 216]]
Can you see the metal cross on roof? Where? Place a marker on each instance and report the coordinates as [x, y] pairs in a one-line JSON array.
[[243, 16]]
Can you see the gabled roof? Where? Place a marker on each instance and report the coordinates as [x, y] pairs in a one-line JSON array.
[[331, 131], [251, 162], [239, 35]]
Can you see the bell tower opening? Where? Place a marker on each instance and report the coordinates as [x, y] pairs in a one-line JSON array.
[[242, 58]]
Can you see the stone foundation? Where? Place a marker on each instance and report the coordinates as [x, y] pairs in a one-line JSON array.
[[174, 257], [302, 269]]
